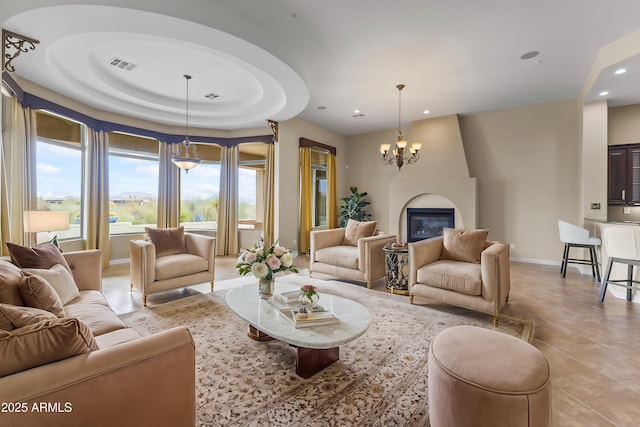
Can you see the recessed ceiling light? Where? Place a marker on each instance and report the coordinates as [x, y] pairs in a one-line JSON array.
[[356, 111], [604, 93], [621, 71], [531, 54], [426, 112]]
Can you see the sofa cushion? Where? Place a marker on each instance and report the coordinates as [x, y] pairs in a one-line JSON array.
[[43, 342], [92, 309], [168, 241], [10, 278], [179, 265], [340, 256], [356, 230], [463, 245], [14, 316], [117, 337], [45, 256], [37, 292], [60, 279], [461, 277]]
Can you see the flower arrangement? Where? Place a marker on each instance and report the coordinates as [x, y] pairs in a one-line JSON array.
[[309, 291], [264, 261]]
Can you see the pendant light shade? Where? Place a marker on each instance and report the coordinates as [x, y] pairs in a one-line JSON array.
[[187, 157]]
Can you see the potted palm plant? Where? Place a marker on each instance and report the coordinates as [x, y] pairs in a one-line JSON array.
[[353, 207]]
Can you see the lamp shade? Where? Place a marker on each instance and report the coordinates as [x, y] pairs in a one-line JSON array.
[[36, 221]]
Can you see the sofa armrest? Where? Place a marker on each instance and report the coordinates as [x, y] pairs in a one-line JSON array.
[[324, 239], [202, 246], [134, 383], [142, 263], [422, 253], [496, 277], [370, 255], [86, 267]]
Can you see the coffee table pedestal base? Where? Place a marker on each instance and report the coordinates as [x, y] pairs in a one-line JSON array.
[[310, 361], [258, 335]]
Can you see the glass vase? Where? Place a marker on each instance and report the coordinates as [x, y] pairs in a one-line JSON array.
[[265, 287], [309, 302]]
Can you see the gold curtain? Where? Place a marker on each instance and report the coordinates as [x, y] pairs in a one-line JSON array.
[[332, 207], [305, 200], [269, 197], [227, 236], [168, 187], [96, 211], [18, 179]]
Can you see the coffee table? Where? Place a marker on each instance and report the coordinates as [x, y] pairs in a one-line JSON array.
[[317, 347]]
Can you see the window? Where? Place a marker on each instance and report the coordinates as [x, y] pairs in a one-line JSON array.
[[59, 169], [199, 190], [133, 183], [252, 166], [319, 160]]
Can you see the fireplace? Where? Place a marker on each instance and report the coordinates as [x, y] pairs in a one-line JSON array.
[[424, 223]]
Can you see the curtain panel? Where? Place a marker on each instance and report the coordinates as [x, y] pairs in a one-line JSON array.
[[227, 236], [168, 188], [96, 212], [306, 218], [269, 197], [332, 205], [17, 180]]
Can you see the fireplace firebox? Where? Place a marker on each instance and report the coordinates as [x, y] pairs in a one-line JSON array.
[[424, 223]]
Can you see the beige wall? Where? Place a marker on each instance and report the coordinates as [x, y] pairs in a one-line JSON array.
[[442, 167], [594, 161], [527, 164], [288, 174], [624, 125]]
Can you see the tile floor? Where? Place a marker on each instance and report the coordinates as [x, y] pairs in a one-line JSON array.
[[591, 347]]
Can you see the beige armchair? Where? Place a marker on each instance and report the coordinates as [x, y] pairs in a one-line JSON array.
[[172, 260], [482, 286], [333, 252]]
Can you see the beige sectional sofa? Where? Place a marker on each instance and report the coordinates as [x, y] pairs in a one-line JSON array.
[[129, 380]]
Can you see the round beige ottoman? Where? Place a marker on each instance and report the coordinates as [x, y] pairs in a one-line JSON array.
[[479, 377]]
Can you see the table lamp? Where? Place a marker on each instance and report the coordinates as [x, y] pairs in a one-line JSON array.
[[39, 221]]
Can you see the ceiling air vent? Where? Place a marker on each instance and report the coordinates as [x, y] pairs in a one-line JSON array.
[[122, 64]]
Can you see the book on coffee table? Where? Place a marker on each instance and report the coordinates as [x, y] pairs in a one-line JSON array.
[[289, 297], [320, 318]]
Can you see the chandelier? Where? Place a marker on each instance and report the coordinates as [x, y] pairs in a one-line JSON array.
[[399, 154], [187, 157]]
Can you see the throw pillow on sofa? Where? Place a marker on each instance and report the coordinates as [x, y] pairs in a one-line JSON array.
[[10, 278], [356, 230], [45, 256], [168, 241], [43, 342], [38, 293], [463, 245], [13, 316], [60, 279]]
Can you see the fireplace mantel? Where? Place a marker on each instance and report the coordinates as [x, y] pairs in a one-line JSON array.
[[460, 191]]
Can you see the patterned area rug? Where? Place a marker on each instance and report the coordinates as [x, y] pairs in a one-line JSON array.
[[380, 379]]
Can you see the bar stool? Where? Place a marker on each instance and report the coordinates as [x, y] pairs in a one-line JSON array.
[[577, 237], [621, 246]]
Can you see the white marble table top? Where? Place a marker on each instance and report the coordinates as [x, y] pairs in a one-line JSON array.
[[264, 315]]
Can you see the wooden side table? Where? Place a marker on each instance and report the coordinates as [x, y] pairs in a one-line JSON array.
[[397, 269]]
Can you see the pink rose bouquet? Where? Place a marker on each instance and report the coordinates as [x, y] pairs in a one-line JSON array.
[[264, 262]]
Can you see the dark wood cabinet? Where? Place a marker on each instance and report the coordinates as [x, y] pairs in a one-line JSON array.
[[624, 174]]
